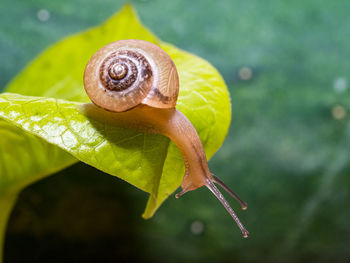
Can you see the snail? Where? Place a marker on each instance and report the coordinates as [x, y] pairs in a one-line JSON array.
[[138, 81]]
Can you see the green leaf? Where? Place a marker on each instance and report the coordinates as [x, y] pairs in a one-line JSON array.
[[126, 153], [147, 161], [26, 158]]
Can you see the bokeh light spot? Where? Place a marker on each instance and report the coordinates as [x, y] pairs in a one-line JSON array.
[[197, 227], [338, 112], [245, 73], [340, 85], [43, 15]]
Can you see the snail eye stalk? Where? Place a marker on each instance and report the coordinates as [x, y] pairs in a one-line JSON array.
[[243, 204], [211, 186]]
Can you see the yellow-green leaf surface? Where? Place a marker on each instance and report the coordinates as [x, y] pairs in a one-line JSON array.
[[52, 118]]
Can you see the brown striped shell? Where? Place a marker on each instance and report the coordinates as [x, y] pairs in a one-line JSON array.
[[126, 73]]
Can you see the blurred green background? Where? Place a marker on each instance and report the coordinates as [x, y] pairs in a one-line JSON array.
[[287, 66]]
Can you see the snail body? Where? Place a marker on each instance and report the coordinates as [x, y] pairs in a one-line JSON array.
[[137, 82]]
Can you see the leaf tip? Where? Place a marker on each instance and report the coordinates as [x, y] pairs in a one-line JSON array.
[[126, 10]]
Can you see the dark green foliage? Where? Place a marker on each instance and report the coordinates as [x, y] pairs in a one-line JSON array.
[[286, 154]]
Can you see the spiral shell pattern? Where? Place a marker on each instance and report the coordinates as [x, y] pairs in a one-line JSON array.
[[127, 73]]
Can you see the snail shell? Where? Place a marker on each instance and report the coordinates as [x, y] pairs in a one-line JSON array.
[[127, 73]]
